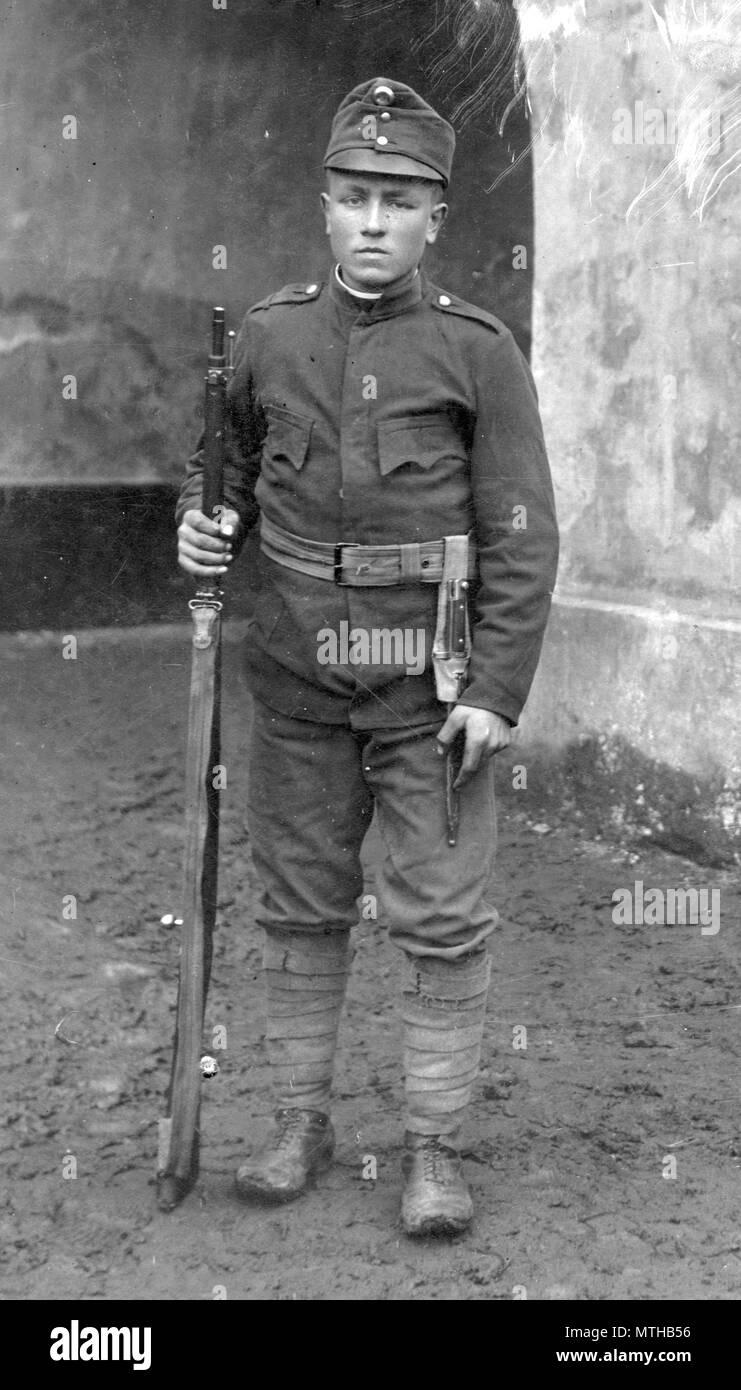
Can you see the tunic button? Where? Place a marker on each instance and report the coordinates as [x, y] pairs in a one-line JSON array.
[[445, 300], [382, 140], [310, 289]]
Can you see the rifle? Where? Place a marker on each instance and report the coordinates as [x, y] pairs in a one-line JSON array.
[[179, 1129]]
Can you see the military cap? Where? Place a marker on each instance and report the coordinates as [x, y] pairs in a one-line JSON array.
[[384, 127]]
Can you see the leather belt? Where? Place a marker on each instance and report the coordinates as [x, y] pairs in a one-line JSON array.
[[358, 566]]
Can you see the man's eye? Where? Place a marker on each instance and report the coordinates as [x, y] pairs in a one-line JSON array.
[[351, 201]]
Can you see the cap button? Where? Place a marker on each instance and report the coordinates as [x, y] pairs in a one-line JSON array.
[[385, 115], [310, 289], [382, 140], [382, 95], [445, 300]]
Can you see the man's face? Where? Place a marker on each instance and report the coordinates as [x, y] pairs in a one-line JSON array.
[[378, 226]]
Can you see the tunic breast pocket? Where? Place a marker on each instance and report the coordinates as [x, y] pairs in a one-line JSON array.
[[287, 439], [420, 442]]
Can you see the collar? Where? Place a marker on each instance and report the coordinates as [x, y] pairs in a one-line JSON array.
[[356, 294], [384, 306]]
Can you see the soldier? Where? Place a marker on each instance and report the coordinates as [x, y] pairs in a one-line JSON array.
[[370, 418]]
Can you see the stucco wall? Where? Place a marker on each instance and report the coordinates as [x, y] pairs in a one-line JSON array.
[[635, 349]]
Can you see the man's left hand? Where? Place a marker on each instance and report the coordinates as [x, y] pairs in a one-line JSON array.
[[486, 734]]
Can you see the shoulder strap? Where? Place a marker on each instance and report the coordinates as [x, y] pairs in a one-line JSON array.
[[448, 303], [290, 294]]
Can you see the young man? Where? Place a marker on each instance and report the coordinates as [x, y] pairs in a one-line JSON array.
[[371, 417]]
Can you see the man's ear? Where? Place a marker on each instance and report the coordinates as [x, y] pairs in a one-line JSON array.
[[324, 200], [437, 217]]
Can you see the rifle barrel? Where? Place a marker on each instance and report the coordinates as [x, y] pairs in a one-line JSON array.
[[217, 332]]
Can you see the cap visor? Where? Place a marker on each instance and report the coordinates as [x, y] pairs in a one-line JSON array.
[[365, 161]]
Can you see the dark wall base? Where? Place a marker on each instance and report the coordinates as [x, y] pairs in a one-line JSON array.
[[92, 557], [608, 788]]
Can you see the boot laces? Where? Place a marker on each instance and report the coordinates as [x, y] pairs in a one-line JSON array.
[[288, 1122], [437, 1162]]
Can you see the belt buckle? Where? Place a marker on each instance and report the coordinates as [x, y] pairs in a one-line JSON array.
[[338, 563], [337, 567]]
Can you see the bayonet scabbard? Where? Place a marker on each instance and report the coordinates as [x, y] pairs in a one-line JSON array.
[[450, 656]]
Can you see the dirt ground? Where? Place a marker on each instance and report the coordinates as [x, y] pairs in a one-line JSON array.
[[633, 1041]]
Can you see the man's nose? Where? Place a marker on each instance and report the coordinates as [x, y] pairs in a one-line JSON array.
[[374, 221]]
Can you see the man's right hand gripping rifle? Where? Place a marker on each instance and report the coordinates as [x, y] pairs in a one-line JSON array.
[[206, 547]]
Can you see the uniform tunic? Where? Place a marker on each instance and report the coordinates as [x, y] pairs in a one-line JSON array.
[[403, 419]]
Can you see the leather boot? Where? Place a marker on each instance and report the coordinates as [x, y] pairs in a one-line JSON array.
[[436, 1200], [287, 1164]]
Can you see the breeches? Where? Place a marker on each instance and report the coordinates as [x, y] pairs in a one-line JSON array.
[[312, 792]]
